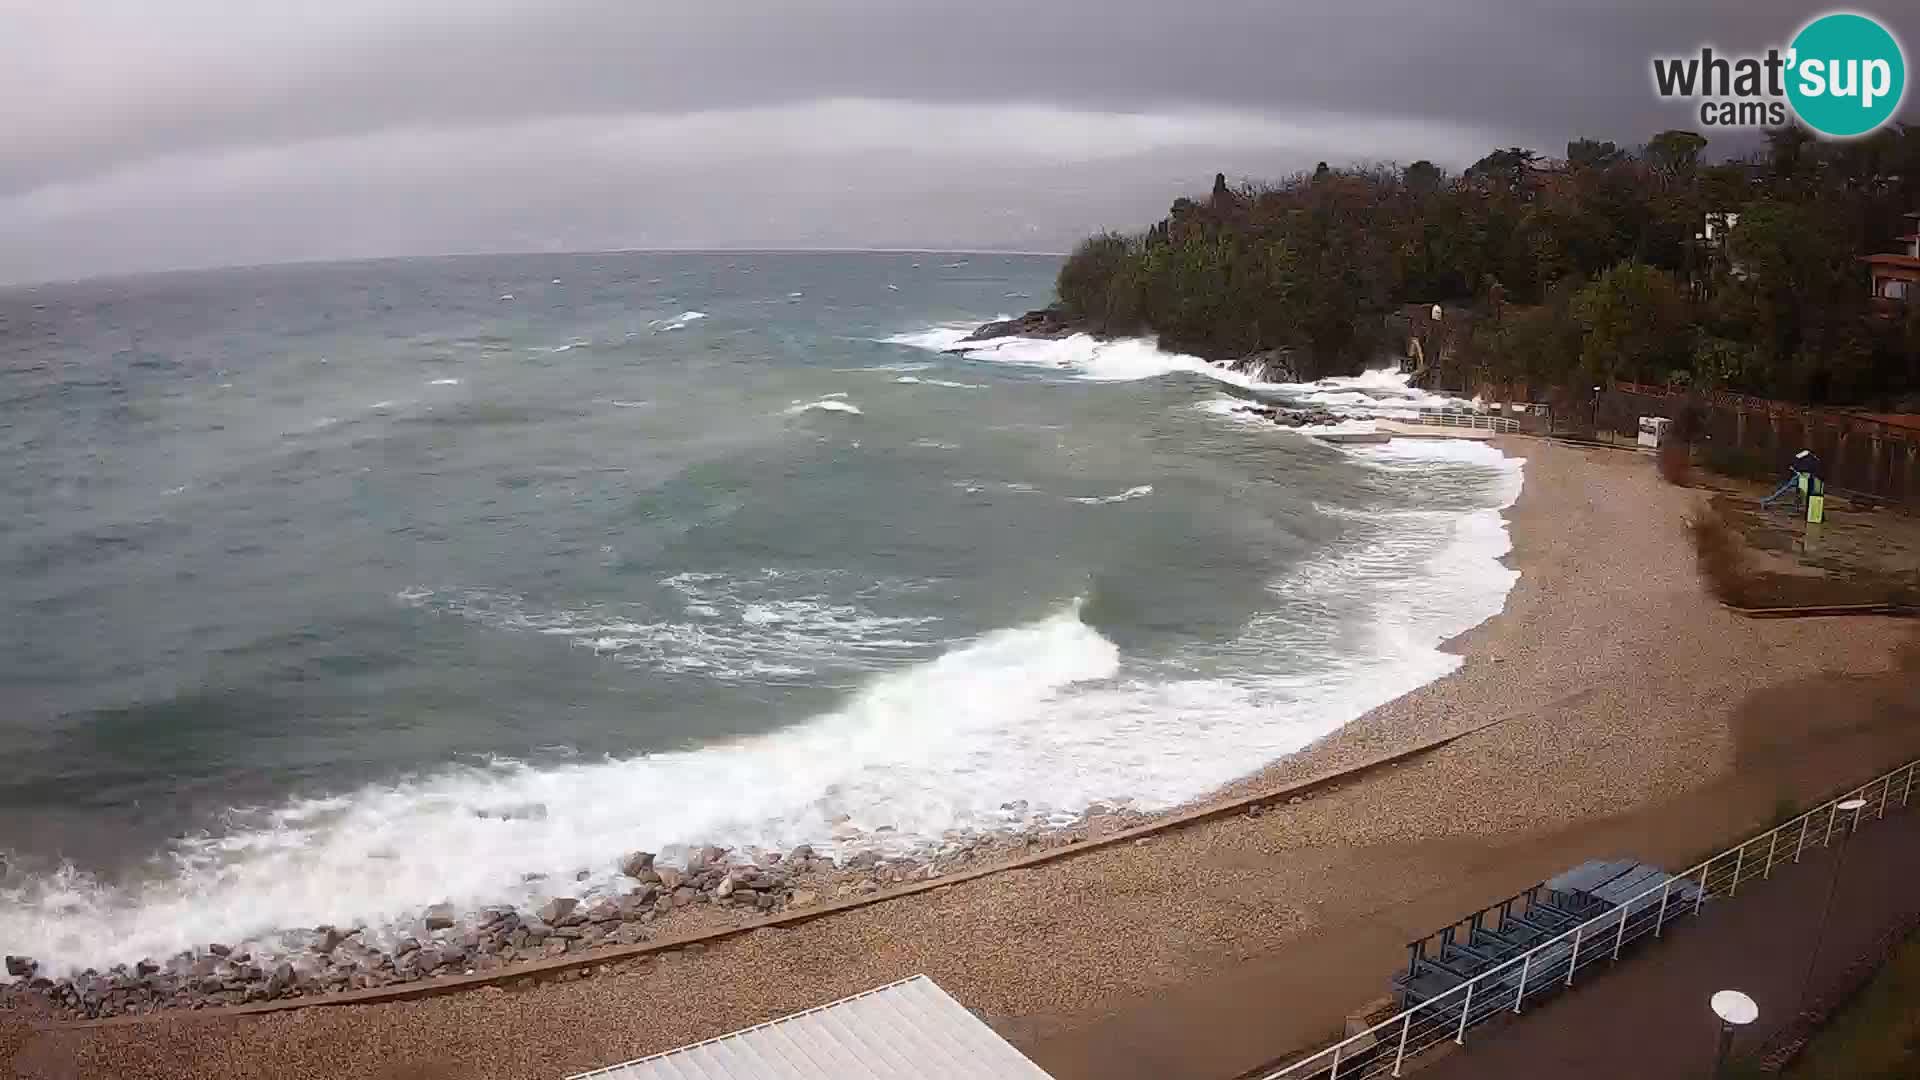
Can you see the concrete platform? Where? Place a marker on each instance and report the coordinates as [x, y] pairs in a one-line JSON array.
[[1405, 430]]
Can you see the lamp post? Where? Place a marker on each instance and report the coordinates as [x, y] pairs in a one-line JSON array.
[[1851, 808], [1735, 1010]]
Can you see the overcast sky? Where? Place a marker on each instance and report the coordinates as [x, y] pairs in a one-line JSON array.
[[147, 134]]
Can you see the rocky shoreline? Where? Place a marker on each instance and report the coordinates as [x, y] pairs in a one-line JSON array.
[[713, 889], [1051, 324]]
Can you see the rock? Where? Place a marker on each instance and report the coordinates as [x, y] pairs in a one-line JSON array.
[[144, 968], [865, 860], [440, 917], [671, 879], [20, 967], [1270, 366], [281, 980], [606, 911], [636, 863], [706, 858], [220, 950], [1045, 323], [557, 909], [803, 898], [683, 896], [330, 938], [426, 960], [1295, 801], [725, 888]]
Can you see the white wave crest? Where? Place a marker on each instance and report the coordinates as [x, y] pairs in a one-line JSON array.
[[1383, 392], [826, 404], [748, 630], [1128, 495], [678, 322]]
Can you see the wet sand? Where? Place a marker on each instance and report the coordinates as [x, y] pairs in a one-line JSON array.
[[1637, 715]]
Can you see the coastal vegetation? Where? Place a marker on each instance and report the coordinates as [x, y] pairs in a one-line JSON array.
[[1646, 265]]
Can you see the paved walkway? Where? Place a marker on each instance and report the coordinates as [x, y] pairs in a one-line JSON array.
[[1651, 1010], [1648, 1017]]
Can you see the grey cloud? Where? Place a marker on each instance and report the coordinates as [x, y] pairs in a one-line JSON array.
[[269, 101]]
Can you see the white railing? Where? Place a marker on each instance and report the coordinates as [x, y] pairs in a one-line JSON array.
[[1461, 418], [1383, 1049]]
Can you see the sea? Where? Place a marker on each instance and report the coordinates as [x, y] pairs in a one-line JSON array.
[[332, 592]]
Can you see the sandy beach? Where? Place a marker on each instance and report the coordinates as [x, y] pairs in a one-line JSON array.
[[1634, 711]]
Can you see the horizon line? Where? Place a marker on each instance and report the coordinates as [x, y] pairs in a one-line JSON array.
[[278, 263]]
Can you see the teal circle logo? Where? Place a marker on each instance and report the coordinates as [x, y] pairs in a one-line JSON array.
[[1846, 74]]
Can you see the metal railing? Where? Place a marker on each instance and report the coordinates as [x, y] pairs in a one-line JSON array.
[[1463, 419], [1546, 969]]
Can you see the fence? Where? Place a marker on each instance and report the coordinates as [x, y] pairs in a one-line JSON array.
[[1382, 1050], [1463, 419], [1862, 455]]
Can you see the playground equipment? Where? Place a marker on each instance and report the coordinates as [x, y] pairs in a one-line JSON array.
[[1804, 476]]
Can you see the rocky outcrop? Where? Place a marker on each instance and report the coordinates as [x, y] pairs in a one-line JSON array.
[[1270, 366], [1045, 323]]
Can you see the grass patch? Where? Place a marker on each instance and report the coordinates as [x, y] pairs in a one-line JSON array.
[[1877, 1036]]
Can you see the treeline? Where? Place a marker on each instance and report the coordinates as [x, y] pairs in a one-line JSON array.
[[1587, 269]]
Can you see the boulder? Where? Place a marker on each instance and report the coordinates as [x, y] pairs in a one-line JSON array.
[[20, 967], [605, 911], [706, 858], [405, 946], [220, 950], [671, 879], [683, 896], [1046, 323], [725, 888], [636, 863], [1270, 366], [440, 917], [557, 909], [281, 980]]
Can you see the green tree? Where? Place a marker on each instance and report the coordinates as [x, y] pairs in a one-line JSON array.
[[1674, 154], [1593, 154], [1423, 177], [1634, 325]]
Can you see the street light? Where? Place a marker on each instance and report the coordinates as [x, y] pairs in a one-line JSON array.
[[1852, 808], [1735, 1010]]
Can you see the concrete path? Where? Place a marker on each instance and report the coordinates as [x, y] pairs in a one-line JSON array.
[[1270, 1008], [1648, 1017]]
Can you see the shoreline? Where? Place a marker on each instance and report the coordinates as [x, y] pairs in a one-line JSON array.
[[712, 889], [1622, 687]]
